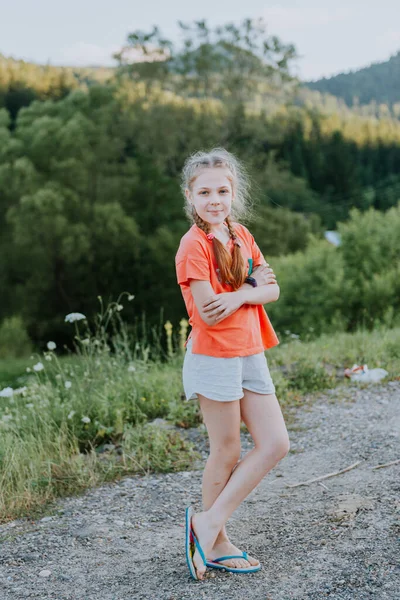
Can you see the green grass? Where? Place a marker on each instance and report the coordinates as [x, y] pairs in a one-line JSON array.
[[57, 440], [13, 372], [299, 367]]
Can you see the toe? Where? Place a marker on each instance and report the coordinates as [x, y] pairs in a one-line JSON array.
[[199, 565], [253, 561]]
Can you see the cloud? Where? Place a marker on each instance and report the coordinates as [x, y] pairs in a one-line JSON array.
[[391, 37], [301, 17], [83, 54]]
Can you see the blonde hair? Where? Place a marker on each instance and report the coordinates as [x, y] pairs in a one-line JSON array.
[[232, 266]]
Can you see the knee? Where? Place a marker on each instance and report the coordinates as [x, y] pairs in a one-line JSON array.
[[277, 448], [226, 453]]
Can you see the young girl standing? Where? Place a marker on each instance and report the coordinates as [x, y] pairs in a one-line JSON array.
[[225, 282]]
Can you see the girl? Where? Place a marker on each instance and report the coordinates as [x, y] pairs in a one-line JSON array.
[[225, 282]]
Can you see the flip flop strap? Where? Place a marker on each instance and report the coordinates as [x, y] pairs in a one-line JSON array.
[[199, 548], [243, 555]]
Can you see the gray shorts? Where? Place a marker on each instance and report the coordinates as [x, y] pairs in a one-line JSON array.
[[223, 379]]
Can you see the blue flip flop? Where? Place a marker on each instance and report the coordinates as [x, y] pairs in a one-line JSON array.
[[190, 538], [214, 564]]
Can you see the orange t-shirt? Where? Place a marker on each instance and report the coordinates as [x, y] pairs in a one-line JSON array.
[[248, 330]]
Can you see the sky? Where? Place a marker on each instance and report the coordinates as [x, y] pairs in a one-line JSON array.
[[330, 37]]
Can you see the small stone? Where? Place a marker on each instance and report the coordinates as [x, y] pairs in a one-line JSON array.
[[45, 573]]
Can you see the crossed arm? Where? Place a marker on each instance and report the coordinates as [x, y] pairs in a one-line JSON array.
[[214, 308]]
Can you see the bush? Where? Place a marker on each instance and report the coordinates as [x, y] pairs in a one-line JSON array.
[[14, 339], [371, 267], [311, 290], [327, 289]]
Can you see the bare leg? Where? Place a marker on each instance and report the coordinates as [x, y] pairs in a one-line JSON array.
[[222, 420], [264, 420]]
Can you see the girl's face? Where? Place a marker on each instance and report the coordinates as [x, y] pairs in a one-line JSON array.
[[212, 195]]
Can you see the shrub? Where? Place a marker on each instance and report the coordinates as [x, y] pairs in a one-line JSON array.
[[14, 339]]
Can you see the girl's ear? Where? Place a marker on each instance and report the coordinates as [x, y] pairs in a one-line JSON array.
[[187, 194]]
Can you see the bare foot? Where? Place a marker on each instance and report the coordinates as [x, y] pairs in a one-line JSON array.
[[206, 534], [226, 548]]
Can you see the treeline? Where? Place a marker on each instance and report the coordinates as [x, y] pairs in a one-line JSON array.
[[378, 84], [21, 83]]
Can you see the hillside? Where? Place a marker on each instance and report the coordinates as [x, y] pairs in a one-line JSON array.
[[379, 83]]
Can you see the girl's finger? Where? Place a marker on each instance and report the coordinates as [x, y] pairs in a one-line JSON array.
[[221, 316], [212, 304], [216, 311], [210, 301]]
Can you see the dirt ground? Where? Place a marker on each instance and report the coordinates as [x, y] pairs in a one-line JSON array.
[[338, 538]]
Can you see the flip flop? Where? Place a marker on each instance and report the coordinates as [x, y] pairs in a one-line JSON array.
[[190, 538], [214, 564]]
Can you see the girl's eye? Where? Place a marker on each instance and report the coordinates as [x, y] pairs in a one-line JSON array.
[[206, 192]]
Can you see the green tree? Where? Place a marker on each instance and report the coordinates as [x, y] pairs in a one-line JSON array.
[[228, 62]]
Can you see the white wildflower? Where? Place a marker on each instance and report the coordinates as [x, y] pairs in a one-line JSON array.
[[67, 384], [38, 367], [71, 414], [7, 418], [28, 369], [131, 368], [29, 405], [86, 342], [130, 297], [119, 307], [58, 376], [51, 345], [85, 420], [6, 392], [72, 317], [48, 357], [20, 390]]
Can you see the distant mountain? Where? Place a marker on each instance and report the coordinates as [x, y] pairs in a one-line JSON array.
[[380, 83]]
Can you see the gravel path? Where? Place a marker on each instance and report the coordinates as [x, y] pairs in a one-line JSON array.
[[338, 540]]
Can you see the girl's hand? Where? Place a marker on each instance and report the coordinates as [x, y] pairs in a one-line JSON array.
[[264, 275], [220, 306]]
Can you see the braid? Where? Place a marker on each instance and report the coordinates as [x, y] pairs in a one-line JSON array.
[[231, 267], [199, 221], [238, 269], [231, 229]]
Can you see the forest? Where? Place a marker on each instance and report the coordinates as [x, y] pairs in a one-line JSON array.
[[90, 163], [377, 85]]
